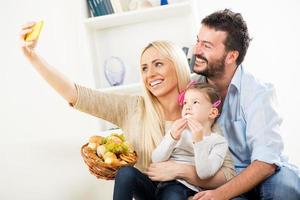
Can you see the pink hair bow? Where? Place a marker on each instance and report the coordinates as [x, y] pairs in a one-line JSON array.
[[216, 103], [180, 97]]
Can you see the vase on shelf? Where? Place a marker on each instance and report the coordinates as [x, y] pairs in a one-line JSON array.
[[114, 71]]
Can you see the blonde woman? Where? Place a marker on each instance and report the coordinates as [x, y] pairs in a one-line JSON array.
[[144, 119]]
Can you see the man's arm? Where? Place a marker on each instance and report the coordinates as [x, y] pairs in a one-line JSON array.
[[255, 173]]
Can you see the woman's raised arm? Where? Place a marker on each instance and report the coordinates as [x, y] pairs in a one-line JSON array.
[[56, 80]]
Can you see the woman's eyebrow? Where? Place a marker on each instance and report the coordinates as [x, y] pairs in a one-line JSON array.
[[153, 61]]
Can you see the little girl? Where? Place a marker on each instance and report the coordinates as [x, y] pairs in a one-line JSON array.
[[191, 139]]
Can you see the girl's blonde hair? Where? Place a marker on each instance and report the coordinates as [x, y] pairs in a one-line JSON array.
[[152, 121]]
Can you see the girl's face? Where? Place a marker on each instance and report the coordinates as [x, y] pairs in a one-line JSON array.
[[197, 105], [158, 73]]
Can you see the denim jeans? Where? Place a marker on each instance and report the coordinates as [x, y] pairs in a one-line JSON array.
[[130, 182], [173, 190], [284, 184]]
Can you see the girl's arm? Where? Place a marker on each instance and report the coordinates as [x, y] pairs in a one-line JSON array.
[[164, 150], [209, 155], [56, 80]]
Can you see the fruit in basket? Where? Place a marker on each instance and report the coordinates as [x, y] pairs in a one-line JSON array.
[[116, 139], [114, 143], [104, 156], [95, 141], [101, 150], [113, 149], [110, 158], [116, 148]]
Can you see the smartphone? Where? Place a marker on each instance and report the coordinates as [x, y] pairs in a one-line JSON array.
[[36, 30]]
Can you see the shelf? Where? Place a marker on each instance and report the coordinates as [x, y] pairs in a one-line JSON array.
[[132, 17]]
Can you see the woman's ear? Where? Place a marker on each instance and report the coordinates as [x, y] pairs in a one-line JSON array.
[[213, 113]]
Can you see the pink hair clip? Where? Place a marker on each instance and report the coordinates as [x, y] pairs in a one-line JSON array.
[[180, 97], [216, 104]]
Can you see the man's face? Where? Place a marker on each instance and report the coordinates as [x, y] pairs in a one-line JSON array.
[[210, 52]]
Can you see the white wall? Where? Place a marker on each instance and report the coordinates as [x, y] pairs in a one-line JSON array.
[[41, 135]]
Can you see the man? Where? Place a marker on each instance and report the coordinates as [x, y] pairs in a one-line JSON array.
[[249, 119]]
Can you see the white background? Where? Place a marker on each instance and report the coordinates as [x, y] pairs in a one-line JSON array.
[[40, 135]]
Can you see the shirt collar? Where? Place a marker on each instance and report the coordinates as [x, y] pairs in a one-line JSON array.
[[237, 78]]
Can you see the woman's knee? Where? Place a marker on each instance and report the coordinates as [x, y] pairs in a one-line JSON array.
[[171, 191], [126, 175]]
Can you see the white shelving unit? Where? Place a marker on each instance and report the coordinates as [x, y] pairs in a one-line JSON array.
[[139, 16], [124, 35]]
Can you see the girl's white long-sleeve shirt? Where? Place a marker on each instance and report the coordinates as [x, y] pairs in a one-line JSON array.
[[207, 155]]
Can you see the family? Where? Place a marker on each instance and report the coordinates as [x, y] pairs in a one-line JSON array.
[[214, 137]]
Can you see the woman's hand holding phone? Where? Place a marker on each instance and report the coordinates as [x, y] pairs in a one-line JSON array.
[[29, 36]]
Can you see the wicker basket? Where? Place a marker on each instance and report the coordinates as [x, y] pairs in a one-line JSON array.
[[101, 169]]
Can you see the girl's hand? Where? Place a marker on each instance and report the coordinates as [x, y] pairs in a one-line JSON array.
[[177, 128], [27, 46], [196, 129]]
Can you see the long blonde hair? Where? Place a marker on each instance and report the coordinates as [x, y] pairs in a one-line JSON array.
[[152, 121]]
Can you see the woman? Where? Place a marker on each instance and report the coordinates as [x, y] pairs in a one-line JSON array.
[[165, 72]]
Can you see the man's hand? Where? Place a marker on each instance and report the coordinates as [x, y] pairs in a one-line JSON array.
[[208, 195], [163, 171]]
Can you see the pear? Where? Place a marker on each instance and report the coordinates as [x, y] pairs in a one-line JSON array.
[[101, 150]]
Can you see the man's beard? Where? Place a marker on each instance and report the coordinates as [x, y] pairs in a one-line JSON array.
[[214, 69]]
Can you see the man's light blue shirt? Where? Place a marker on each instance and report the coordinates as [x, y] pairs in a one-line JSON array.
[[251, 122]]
